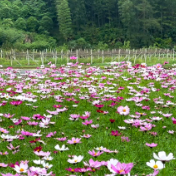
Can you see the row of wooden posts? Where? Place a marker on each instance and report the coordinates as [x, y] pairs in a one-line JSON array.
[[114, 54]]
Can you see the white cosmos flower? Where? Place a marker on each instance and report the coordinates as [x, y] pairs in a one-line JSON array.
[[100, 148], [48, 158], [63, 148], [122, 127], [47, 165], [75, 159], [112, 162], [155, 165], [38, 161], [162, 156], [22, 168]]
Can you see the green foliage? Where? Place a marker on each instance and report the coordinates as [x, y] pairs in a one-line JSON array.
[[64, 19], [47, 23], [32, 24], [8, 37], [94, 23], [20, 23], [102, 46]]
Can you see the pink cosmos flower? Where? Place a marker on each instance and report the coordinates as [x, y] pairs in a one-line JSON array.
[[41, 153], [123, 110], [122, 168], [87, 122], [3, 165], [26, 133], [25, 118], [171, 131], [3, 130], [8, 174], [95, 154], [151, 145], [158, 66], [115, 133], [174, 120], [74, 141], [156, 172], [18, 122], [61, 139], [32, 123], [86, 136], [73, 58], [74, 116], [14, 149], [125, 139], [9, 116], [16, 103], [95, 126], [166, 115], [4, 153], [92, 163], [51, 134]]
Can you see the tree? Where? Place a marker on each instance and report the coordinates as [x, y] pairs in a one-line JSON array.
[[46, 22], [20, 23], [32, 24], [64, 19]]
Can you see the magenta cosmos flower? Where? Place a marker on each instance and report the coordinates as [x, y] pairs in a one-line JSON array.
[[121, 168], [123, 110], [73, 58], [16, 103]]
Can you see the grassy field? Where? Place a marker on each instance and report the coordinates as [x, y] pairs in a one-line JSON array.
[[105, 114], [23, 63]]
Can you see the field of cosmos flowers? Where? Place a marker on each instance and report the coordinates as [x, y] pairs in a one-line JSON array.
[[83, 120]]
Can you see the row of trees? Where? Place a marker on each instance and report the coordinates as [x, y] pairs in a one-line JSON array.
[[87, 23]]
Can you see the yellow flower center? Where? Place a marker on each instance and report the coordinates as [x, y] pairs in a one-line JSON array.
[[124, 110], [74, 141], [121, 171], [95, 153], [155, 166], [76, 161], [21, 170]]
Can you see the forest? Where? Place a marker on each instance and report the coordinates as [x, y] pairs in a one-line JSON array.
[[95, 24]]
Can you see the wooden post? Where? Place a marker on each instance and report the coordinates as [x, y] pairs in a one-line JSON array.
[[119, 56], [61, 55], [112, 55], [167, 54], [56, 58], [102, 56], [67, 56], [173, 54], [33, 55], [129, 57], [145, 57], [1, 54], [91, 56], [27, 56], [77, 55], [98, 54], [41, 56], [135, 57]]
